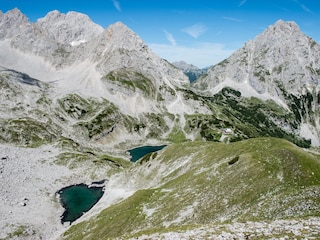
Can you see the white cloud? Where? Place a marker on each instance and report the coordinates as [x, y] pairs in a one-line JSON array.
[[201, 54], [170, 38], [117, 5], [232, 19], [195, 30], [242, 2]]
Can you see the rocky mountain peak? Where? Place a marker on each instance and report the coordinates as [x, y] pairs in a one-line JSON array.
[[52, 42], [280, 33], [72, 28], [121, 36], [121, 48], [285, 26], [11, 23], [16, 14], [280, 56]]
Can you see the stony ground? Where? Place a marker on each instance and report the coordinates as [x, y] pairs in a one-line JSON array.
[[29, 179]]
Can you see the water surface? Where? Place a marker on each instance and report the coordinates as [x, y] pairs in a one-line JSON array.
[[139, 152], [78, 199]]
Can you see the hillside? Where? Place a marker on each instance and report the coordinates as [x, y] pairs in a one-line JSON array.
[[197, 183]]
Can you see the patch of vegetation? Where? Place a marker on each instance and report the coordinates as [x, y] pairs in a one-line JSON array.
[[249, 117], [177, 135], [277, 69], [27, 132], [103, 121], [61, 52], [19, 232], [302, 106], [223, 63], [156, 125], [117, 162], [132, 80], [74, 159], [77, 107]]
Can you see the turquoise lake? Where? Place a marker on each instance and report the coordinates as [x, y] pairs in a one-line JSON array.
[[78, 199], [139, 152]]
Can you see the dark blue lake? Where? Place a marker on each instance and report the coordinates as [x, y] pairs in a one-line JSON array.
[[78, 199], [139, 152]]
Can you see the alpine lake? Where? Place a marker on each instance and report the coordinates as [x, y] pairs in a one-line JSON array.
[[139, 152], [80, 198]]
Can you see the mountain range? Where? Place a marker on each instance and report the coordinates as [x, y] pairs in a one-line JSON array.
[[75, 97]]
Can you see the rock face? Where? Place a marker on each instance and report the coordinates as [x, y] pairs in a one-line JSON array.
[[280, 57], [73, 28], [70, 60], [64, 40], [119, 47], [11, 23], [281, 64]]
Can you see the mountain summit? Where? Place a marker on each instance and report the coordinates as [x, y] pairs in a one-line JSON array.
[[281, 64], [281, 56], [78, 54], [74, 28]]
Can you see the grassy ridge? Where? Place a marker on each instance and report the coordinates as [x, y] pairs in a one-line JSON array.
[[203, 182]]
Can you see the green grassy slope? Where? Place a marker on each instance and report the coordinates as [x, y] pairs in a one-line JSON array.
[[204, 182]]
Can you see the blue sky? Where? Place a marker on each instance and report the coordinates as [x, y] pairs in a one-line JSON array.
[[197, 31]]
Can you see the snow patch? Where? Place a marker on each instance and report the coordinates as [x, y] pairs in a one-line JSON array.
[[77, 42]]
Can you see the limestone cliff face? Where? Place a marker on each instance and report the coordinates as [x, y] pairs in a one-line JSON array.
[[280, 57], [73, 28], [65, 40], [281, 64]]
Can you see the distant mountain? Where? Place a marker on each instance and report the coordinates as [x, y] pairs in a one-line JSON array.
[[193, 72]]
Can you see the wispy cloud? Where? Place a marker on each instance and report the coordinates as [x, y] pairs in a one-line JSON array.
[[195, 30], [232, 19], [304, 7], [242, 3], [200, 54], [116, 4], [170, 38]]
